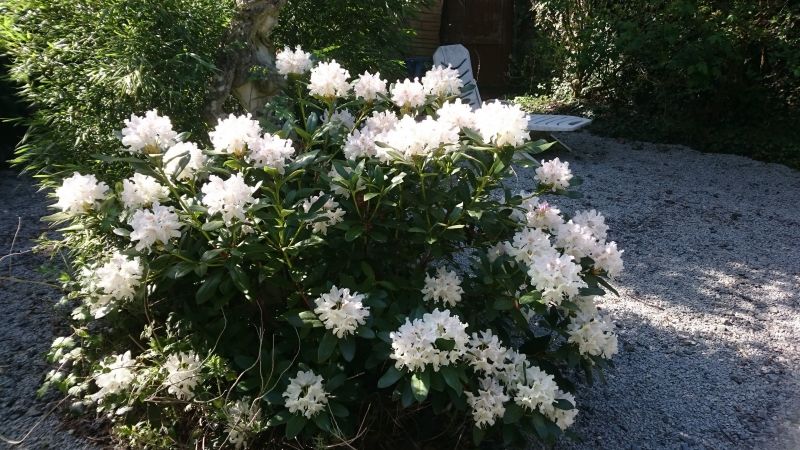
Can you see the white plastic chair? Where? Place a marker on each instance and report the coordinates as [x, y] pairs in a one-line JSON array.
[[457, 57]]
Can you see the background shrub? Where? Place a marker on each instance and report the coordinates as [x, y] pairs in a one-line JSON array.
[[84, 66]]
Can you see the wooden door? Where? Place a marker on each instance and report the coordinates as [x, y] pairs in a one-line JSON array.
[[485, 28]]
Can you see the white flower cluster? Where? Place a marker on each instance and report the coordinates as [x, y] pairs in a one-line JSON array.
[[305, 394], [80, 193], [149, 134], [329, 80], [142, 190], [244, 419], [235, 134], [501, 124], [555, 274], [158, 224], [445, 287], [295, 62], [442, 81], [115, 376], [229, 197], [368, 86], [591, 332], [508, 375], [554, 173], [457, 114], [182, 374], [410, 138], [414, 343], [271, 151], [115, 281], [489, 403], [173, 156], [341, 311], [330, 212], [408, 94]]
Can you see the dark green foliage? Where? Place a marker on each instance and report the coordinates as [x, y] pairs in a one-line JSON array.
[[87, 65], [674, 69], [361, 35]]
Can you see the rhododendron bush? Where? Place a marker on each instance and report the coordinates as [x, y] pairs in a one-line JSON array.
[[349, 268]]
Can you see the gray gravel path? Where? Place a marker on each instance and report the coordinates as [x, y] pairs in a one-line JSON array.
[[709, 316], [29, 324]]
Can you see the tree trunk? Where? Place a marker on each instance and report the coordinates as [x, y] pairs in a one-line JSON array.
[[246, 63]]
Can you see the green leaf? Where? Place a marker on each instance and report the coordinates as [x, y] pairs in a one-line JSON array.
[[450, 375], [295, 425], [338, 409], [239, 279], [389, 378], [322, 421], [502, 304], [445, 344], [477, 435], [348, 348], [420, 385], [208, 289], [213, 225], [326, 346], [513, 413], [353, 233], [370, 196], [179, 270], [211, 254], [530, 297], [365, 332]]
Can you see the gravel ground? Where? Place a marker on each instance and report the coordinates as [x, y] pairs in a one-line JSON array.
[[708, 318], [30, 323]]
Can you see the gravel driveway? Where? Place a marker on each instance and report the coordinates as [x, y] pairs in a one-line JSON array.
[[708, 318]]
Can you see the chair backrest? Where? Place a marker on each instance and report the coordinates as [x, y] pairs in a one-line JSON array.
[[457, 57]]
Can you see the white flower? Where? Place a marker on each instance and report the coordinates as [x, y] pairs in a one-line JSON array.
[[576, 240], [116, 280], [457, 114], [114, 377], [79, 193], [564, 418], [442, 81], [537, 214], [149, 134], [408, 94], [341, 118], [337, 180], [537, 391], [555, 276], [306, 394], [607, 257], [411, 138], [486, 353], [554, 173], [414, 343], [593, 337], [173, 156], [229, 197], [329, 80], [157, 225], [341, 311], [244, 419], [381, 122], [360, 144], [368, 86], [290, 62], [529, 243], [271, 151], [142, 190], [234, 134], [489, 404], [445, 287], [182, 374], [594, 221], [501, 124], [330, 211]]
